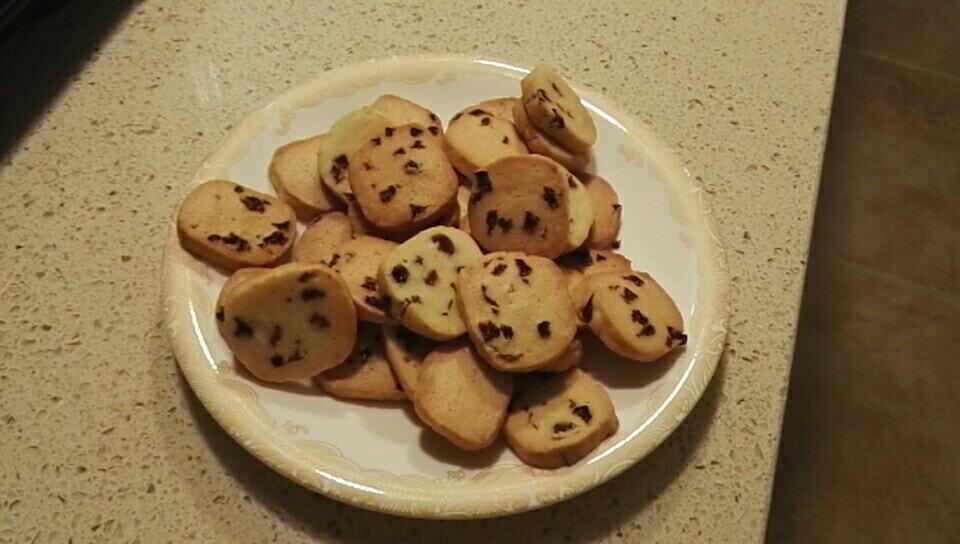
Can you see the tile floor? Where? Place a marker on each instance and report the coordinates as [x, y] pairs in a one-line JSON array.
[[871, 440]]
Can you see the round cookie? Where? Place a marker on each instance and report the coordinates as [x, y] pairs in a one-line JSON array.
[[558, 419], [541, 144], [631, 314], [366, 374], [234, 227], [521, 203], [358, 261], [568, 359], [406, 351], [475, 138], [341, 143], [517, 310], [402, 180], [419, 278], [321, 238], [607, 212], [460, 397], [290, 322], [555, 109], [295, 174], [498, 107], [400, 111], [229, 286], [581, 213]]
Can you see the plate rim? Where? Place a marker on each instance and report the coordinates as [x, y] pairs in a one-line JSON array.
[[277, 453]]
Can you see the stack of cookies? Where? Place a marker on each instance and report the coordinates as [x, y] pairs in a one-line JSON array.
[[457, 268]]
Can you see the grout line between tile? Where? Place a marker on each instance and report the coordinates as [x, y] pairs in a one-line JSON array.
[[942, 296], [902, 64]]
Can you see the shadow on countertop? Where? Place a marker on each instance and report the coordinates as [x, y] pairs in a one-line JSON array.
[[43, 46]]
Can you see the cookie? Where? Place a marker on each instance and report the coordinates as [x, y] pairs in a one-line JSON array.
[[358, 261], [631, 314], [400, 111], [419, 278], [541, 144], [475, 138], [606, 209], [581, 213], [555, 109], [321, 238], [290, 322], [366, 374], [521, 203], [558, 419], [295, 175], [402, 179], [568, 359], [406, 351], [460, 397], [498, 107], [341, 143], [517, 310], [234, 227]]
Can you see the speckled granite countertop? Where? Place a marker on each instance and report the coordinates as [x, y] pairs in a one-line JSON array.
[[102, 439]]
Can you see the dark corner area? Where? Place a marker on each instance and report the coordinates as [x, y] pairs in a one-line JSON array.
[[871, 438], [43, 46]]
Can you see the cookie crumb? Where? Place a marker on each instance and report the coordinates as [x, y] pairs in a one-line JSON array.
[[543, 329], [311, 293], [444, 243], [530, 222], [400, 273], [254, 204], [550, 197]]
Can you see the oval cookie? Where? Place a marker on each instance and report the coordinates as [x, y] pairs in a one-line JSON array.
[[541, 144], [402, 179], [521, 203], [342, 141], [290, 322], [234, 227], [366, 374], [420, 279], [475, 138], [558, 419], [460, 397], [400, 111], [517, 310], [358, 261], [321, 238], [406, 351], [294, 173], [631, 314], [607, 212], [555, 109]]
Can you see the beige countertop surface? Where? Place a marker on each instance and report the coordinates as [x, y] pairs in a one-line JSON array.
[[103, 440]]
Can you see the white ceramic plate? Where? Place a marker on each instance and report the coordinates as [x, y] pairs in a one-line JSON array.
[[378, 456]]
